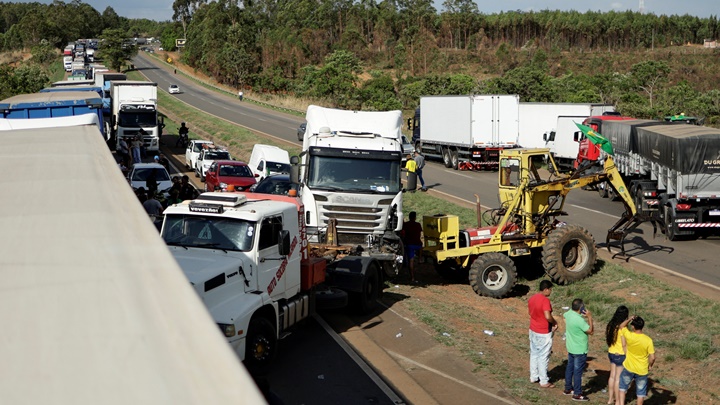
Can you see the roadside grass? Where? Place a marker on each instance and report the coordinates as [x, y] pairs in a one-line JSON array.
[[683, 326]]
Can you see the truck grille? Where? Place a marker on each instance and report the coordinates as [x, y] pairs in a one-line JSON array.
[[354, 222]]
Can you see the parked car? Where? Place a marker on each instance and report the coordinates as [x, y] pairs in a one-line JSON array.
[[275, 184], [268, 159], [141, 171], [208, 155], [223, 173], [193, 151], [174, 89], [301, 131]]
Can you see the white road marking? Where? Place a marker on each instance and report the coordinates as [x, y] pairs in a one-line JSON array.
[[595, 211], [360, 362], [449, 377]]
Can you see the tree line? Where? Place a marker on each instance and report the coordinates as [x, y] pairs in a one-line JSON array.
[[366, 54]]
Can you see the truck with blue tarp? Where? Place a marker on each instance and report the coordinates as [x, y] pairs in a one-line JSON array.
[[53, 104]]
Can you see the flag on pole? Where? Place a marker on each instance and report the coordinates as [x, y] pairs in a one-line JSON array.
[[597, 139]]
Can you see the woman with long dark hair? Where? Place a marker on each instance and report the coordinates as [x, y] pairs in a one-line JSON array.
[[616, 353]]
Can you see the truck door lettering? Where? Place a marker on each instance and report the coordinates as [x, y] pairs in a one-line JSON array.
[[281, 270]]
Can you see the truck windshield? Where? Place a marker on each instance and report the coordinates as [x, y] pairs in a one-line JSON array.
[[138, 119], [208, 232], [354, 175]]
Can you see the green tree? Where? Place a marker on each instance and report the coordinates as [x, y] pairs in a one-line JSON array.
[[378, 93], [115, 49], [336, 79], [649, 76]]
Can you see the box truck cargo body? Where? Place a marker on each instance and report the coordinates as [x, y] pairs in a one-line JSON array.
[[538, 119], [466, 128], [134, 112]]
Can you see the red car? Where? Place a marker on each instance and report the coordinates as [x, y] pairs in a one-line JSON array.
[[223, 173]]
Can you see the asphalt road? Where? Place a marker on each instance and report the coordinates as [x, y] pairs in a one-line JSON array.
[[695, 259]]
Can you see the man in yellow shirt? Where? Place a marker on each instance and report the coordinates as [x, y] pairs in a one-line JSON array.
[[411, 167], [638, 362]]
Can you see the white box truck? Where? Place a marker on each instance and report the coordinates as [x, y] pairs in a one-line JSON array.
[[561, 140], [134, 112], [538, 119], [459, 129]]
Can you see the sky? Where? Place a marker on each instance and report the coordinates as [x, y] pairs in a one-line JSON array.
[[161, 10]]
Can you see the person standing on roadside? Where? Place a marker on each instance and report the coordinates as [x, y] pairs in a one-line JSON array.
[[135, 145], [240, 95], [638, 362], [542, 327], [412, 238], [411, 167], [577, 330], [420, 163], [124, 152], [615, 330], [187, 191]]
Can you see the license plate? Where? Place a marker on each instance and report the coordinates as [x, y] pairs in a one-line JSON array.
[[715, 212]]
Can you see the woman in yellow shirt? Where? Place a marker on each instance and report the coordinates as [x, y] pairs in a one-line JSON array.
[[615, 329]]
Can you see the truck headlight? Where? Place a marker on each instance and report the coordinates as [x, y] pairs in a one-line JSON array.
[[223, 186], [227, 329]]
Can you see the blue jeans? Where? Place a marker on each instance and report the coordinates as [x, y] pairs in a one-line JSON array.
[[136, 155], [418, 171], [573, 372], [641, 382], [540, 348]]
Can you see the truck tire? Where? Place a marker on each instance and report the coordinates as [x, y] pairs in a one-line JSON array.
[[452, 271], [261, 346], [569, 254], [331, 298], [366, 301], [493, 275], [638, 197], [446, 157], [454, 158]]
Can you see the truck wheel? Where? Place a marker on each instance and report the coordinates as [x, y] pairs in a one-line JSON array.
[[366, 301], [611, 194], [638, 199], [493, 275], [670, 224], [452, 271], [454, 159], [331, 298], [569, 254], [261, 345], [446, 157], [602, 190]]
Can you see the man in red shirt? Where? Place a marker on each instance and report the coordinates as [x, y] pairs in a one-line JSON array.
[[542, 326]]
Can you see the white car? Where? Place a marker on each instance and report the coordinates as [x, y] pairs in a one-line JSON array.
[[141, 171], [206, 158], [174, 89], [193, 151]]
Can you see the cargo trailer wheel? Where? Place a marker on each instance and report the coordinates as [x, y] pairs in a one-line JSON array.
[[493, 275], [569, 254], [261, 345], [454, 158], [446, 157], [366, 300]]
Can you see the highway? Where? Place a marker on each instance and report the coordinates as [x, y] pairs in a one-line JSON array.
[[694, 259]]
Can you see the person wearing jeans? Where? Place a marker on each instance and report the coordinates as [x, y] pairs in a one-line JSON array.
[[542, 326], [577, 330]]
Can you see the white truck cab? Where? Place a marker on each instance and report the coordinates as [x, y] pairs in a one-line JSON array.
[[243, 258]]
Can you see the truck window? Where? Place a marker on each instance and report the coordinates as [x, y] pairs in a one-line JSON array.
[[269, 230], [509, 172], [208, 232]]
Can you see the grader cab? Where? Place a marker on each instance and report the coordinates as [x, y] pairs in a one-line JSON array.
[[532, 195]]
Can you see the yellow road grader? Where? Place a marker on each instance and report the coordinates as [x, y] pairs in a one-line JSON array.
[[532, 195]]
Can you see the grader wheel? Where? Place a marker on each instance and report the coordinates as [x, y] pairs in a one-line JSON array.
[[493, 275], [569, 254]]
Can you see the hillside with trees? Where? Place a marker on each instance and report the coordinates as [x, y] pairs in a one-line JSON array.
[[383, 55]]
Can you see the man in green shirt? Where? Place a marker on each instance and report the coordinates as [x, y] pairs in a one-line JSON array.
[[577, 330]]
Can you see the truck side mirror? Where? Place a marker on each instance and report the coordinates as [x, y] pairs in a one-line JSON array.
[[284, 245], [295, 170], [576, 136]]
